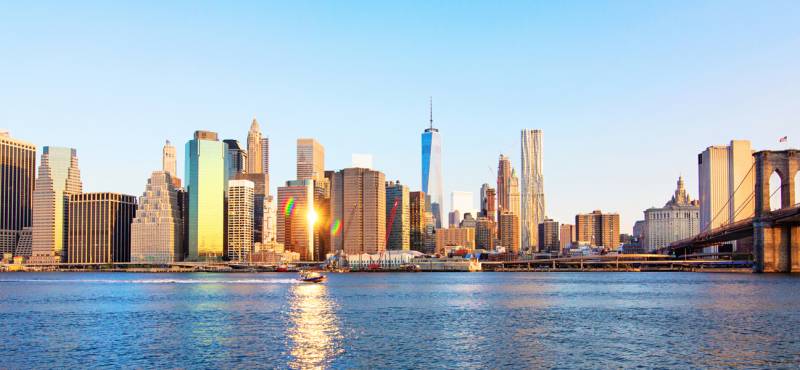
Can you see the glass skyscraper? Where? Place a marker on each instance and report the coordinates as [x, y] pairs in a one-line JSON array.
[[432, 170], [206, 183]]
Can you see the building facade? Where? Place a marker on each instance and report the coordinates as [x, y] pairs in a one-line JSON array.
[[727, 180], [455, 237], [417, 210], [488, 201], [566, 235], [503, 185], [157, 228], [678, 219], [255, 162], [296, 217], [17, 177], [485, 233], [100, 227], [398, 216], [169, 163], [532, 189], [358, 199], [509, 233], [206, 185], [548, 237], [310, 160], [598, 229], [59, 178], [235, 158], [240, 219]]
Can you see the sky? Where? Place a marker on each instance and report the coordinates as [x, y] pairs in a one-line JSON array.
[[626, 92]]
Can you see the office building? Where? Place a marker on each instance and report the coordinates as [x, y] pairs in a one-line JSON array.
[[255, 149], [310, 160], [678, 219], [169, 163], [598, 229], [503, 185], [432, 184], [417, 210], [322, 206], [240, 219], [17, 177], [260, 193], [513, 194], [485, 233], [297, 217], [59, 177], [532, 189], [727, 181], [235, 158], [157, 228], [508, 230], [265, 155], [488, 201], [548, 237], [99, 228], [270, 223], [206, 184], [398, 216], [566, 235], [358, 199]]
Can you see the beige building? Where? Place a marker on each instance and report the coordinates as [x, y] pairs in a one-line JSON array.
[[455, 237], [509, 232], [678, 219], [503, 185], [157, 229], [296, 217], [240, 219], [310, 160], [255, 154], [100, 227], [17, 176], [59, 177], [566, 235], [727, 181], [169, 163], [598, 229], [398, 216], [514, 195], [358, 199]]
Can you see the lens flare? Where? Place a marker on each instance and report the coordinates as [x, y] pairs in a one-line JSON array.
[[288, 209], [336, 226]]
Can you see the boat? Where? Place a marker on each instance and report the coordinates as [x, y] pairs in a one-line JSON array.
[[311, 277], [282, 268]]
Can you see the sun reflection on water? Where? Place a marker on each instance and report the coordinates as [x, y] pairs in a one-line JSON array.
[[314, 333]]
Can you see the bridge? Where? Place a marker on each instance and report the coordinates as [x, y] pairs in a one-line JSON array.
[[775, 234]]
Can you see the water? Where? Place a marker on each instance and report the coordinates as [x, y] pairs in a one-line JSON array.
[[419, 320]]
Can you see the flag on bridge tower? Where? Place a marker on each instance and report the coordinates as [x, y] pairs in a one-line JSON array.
[[784, 139]]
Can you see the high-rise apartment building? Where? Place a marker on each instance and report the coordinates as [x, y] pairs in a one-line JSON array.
[[485, 233], [432, 170], [455, 237], [100, 227], [417, 210], [240, 219], [235, 158], [206, 184], [532, 189], [566, 235], [678, 219], [398, 216], [727, 181], [509, 235], [488, 201], [157, 229], [598, 229], [59, 177], [169, 163], [260, 193], [255, 158], [358, 199], [297, 217], [504, 185], [310, 160], [265, 155], [548, 236], [17, 177]]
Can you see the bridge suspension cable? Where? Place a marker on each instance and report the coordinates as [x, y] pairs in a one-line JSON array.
[[725, 206]]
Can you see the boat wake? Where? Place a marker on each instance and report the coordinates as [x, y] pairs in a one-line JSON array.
[[153, 281]]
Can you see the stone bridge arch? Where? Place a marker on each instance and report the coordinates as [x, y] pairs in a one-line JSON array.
[[776, 246]]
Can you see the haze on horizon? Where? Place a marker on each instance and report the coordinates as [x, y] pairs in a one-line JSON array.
[[627, 93]]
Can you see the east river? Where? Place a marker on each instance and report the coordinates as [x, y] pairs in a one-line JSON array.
[[399, 320]]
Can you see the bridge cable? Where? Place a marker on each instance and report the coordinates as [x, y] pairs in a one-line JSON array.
[[724, 206]]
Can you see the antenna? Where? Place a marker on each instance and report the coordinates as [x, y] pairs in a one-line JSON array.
[[431, 111]]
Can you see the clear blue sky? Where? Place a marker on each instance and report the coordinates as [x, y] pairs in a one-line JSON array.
[[627, 93]]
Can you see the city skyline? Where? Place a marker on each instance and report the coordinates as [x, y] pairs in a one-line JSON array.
[[617, 111]]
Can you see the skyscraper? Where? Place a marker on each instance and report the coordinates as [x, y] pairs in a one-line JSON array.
[[727, 180], [255, 162], [488, 200], [169, 163], [59, 177], [513, 194], [100, 227], [270, 223], [485, 233], [235, 158], [532, 190], [417, 212], [508, 227], [296, 217], [503, 185], [157, 229], [206, 184], [17, 176], [566, 235], [358, 203], [240, 219], [265, 156], [260, 193], [398, 217], [310, 160], [432, 170]]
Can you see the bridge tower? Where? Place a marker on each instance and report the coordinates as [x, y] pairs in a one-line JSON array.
[[776, 246]]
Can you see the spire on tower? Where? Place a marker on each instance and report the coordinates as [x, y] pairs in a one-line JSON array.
[[430, 104]]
